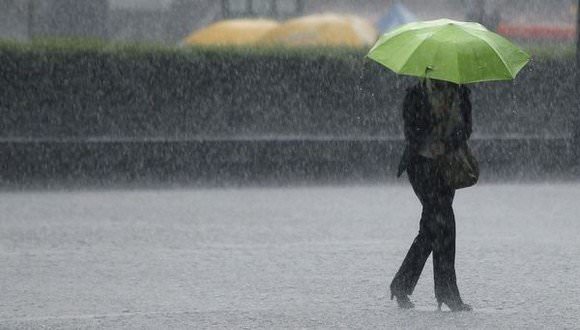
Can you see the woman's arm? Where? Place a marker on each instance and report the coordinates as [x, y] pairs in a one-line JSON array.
[[462, 134], [464, 94], [417, 126]]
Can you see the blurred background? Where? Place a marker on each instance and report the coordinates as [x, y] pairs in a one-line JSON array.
[[169, 21], [107, 91]]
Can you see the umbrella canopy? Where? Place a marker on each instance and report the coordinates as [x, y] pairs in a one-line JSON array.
[[232, 32], [459, 52], [323, 30]]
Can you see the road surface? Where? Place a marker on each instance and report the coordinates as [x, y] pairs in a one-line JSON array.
[[299, 257]]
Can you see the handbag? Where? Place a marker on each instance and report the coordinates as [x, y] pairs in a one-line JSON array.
[[459, 168]]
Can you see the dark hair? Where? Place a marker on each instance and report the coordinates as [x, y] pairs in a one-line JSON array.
[[441, 84]]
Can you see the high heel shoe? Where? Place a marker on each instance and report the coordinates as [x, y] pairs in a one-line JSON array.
[[456, 306], [403, 301]]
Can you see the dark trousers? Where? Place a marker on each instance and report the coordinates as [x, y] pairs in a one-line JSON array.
[[436, 234]]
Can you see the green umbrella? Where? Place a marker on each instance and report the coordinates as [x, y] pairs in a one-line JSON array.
[[460, 52]]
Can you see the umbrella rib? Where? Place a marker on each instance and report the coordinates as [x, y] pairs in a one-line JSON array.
[[417, 47], [421, 44], [490, 45]]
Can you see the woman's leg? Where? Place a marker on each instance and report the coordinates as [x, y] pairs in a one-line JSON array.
[[420, 173], [436, 234], [406, 278], [443, 230]]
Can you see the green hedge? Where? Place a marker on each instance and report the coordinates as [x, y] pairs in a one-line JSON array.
[[93, 89]]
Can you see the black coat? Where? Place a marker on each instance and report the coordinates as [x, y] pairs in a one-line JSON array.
[[419, 123]]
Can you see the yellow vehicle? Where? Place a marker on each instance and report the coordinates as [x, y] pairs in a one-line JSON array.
[[323, 30], [231, 32]]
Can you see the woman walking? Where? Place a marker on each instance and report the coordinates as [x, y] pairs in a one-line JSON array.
[[438, 122], [437, 115]]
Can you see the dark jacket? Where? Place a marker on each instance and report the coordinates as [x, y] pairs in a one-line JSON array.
[[419, 122]]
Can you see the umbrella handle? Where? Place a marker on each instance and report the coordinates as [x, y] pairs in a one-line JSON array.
[[426, 79]]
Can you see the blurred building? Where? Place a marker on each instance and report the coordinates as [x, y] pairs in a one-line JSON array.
[[167, 21], [69, 18], [276, 9], [138, 20], [14, 19]]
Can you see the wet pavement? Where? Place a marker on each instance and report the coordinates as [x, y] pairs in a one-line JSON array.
[[301, 257]]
